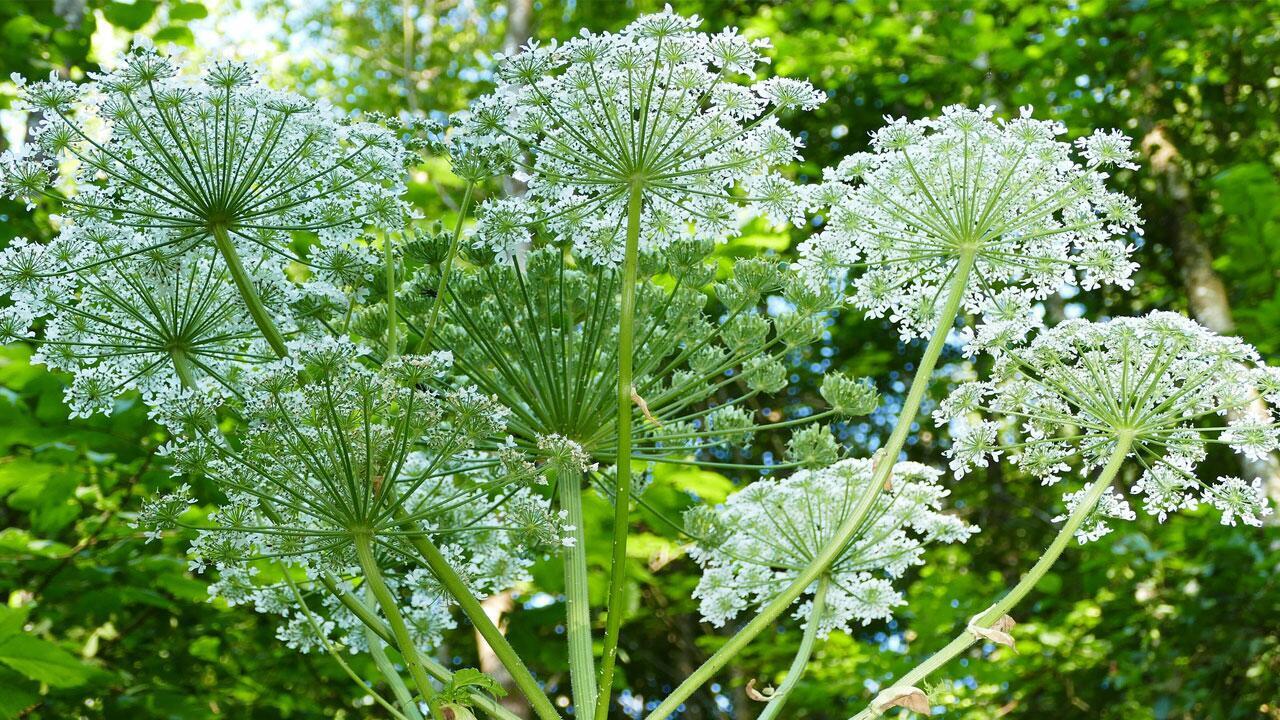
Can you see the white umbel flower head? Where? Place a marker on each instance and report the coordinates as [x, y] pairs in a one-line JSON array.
[[1165, 381], [173, 152], [756, 543], [1010, 194], [656, 110], [183, 193]]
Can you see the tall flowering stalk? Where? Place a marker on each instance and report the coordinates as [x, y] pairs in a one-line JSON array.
[[633, 140], [758, 541], [541, 336], [1152, 390], [379, 405], [948, 214]]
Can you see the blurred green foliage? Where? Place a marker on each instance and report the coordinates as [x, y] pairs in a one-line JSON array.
[[1155, 621]]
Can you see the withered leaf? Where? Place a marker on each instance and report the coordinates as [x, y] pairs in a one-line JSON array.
[[910, 698], [998, 633], [757, 695]]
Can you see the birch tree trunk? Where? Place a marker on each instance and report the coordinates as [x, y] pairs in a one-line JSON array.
[[1206, 295]]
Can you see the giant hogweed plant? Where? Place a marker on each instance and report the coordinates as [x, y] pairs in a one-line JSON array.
[[400, 419]]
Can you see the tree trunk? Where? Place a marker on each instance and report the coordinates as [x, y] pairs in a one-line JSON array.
[[519, 27], [495, 607], [1206, 295]]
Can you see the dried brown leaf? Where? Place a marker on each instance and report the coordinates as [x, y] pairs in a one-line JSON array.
[[910, 698], [757, 695]]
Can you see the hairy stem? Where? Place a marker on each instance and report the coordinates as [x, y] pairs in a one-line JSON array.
[[474, 611], [622, 498], [443, 285], [582, 676], [883, 469], [244, 284], [391, 610], [1077, 517], [803, 654]]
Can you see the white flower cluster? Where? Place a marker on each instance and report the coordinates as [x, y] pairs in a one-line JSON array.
[[115, 312], [1007, 196], [333, 449], [546, 350], [656, 109], [758, 541], [1161, 379], [186, 192]]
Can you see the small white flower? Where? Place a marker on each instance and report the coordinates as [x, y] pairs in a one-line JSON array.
[[1007, 192], [1161, 380], [762, 537]]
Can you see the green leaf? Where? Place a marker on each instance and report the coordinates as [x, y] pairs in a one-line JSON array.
[[43, 661], [11, 620], [129, 15], [175, 34], [188, 11], [16, 542], [24, 476], [17, 694]]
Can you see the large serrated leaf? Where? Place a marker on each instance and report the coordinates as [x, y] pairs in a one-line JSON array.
[[43, 661]]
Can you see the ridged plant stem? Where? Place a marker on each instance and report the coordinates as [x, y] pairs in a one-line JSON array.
[[395, 620], [244, 284], [1028, 582], [622, 496], [801, 661], [404, 698], [582, 676], [883, 470], [457, 587]]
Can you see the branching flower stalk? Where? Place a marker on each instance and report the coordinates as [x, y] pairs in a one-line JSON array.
[[396, 399], [989, 617], [984, 211], [1100, 395], [765, 535], [636, 139]]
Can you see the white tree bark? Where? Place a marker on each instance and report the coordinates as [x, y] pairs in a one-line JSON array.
[[1206, 295]]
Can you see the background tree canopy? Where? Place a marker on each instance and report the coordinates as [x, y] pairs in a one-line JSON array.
[[1155, 621]]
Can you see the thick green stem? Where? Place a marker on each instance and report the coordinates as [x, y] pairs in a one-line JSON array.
[[801, 660], [403, 697], [622, 496], [399, 630], [443, 285], [888, 456], [582, 671], [966, 638], [182, 365], [261, 316], [440, 566], [375, 624], [471, 607]]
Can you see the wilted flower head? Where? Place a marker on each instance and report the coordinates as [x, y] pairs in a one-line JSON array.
[[654, 114], [1007, 197], [756, 543], [1161, 381]]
